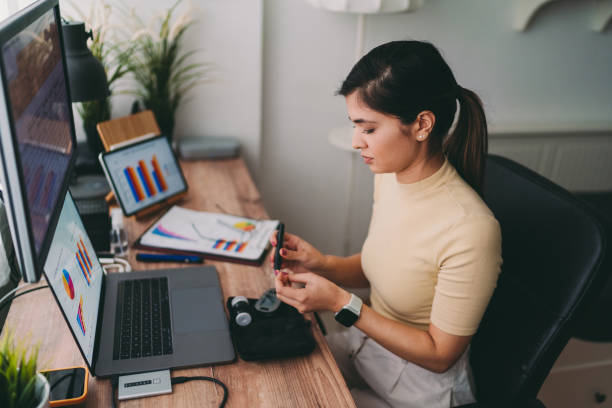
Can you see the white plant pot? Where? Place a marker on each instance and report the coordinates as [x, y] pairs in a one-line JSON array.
[[42, 391]]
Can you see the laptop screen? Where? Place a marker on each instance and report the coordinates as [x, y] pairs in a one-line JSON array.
[[40, 114], [75, 275], [144, 173]]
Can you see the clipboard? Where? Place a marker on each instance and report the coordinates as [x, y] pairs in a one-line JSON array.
[[214, 236]]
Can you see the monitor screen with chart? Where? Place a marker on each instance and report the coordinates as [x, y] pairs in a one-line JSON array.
[[75, 275], [143, 174], [37, 136]]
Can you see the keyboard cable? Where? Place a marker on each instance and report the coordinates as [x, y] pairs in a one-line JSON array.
[[7, 299]]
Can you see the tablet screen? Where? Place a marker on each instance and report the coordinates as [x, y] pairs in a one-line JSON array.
[[144, 174]]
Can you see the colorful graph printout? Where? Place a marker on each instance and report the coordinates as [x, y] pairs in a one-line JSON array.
[[230, 236], [164, 232], [230, 245], [245, 226], [68, 285], [79, 316]]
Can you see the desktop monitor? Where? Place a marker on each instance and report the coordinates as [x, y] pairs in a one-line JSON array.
[[37, 138]]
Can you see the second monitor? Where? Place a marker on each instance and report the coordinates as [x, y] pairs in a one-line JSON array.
[[143, 174]]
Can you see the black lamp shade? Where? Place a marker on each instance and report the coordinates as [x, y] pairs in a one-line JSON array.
[[85, 73]]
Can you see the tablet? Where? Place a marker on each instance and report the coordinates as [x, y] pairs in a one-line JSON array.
[[143, 174]]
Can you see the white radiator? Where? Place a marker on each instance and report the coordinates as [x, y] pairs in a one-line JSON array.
[[580, 161]]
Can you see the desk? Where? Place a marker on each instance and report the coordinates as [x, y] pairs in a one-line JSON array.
[[308, 381]]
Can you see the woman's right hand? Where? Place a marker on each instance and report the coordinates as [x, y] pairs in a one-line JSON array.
[[298, 255]]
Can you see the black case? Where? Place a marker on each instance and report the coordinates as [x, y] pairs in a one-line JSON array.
[[283, 333]]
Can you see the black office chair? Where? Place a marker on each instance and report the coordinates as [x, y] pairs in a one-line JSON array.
[[597, 322], [552, 249]]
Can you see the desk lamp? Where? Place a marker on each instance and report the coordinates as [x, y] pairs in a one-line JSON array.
[[87, 79]]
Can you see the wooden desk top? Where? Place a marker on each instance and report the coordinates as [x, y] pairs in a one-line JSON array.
[[309, 381]]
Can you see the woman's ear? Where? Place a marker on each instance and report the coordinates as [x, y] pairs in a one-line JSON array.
[[425, 123]]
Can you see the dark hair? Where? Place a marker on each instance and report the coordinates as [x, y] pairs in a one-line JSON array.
[[404, 78]]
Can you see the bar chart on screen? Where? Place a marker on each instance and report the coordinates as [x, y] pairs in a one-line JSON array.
[[75, 274], [79, 316], [83, 260], [144, 181], [143, 174]]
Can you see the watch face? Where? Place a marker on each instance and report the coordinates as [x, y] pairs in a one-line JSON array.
[[346, 317]]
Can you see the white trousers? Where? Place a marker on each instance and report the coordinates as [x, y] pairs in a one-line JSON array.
[[379, 378]]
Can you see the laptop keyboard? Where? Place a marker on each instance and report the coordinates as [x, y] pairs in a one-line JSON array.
[[142, 321]]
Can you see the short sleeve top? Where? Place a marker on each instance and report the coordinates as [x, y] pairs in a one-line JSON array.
[[433, 252]]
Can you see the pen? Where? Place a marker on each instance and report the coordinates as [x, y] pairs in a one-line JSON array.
[[169, 258], [280, 236]]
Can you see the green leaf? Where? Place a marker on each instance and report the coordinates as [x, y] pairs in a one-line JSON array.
[[162, 70], [17, 370], [4, 391], [28, 394]]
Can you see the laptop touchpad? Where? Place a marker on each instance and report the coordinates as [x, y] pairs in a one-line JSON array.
[[197, 310]]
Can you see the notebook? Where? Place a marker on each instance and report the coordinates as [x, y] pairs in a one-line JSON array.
[[211, 235]]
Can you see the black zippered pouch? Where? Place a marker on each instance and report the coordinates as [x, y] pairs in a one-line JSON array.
[[282, 333]]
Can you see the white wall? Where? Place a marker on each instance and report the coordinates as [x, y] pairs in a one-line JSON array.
[[228, 34], [557, 74], [302, 178]]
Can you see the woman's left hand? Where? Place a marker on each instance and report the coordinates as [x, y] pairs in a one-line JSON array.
[[317, 294]]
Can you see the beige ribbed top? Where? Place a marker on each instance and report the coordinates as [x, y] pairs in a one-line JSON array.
[[433, 252]]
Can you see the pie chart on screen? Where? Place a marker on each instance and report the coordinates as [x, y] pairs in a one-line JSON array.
[[68, 284]]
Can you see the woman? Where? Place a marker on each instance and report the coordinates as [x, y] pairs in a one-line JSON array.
[[433, 251]]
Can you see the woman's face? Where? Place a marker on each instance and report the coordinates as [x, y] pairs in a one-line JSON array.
[[386, 145]]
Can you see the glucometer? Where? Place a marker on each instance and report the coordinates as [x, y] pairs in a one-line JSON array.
[[268, 302]]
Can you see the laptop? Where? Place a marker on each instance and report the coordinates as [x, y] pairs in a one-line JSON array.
[[138, 321]]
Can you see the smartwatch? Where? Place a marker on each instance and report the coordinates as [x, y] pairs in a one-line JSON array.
[[349, 314]]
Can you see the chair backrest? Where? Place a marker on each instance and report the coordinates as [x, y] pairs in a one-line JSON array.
[[552, 247]]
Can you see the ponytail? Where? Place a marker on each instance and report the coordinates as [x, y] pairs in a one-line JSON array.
[[466, 147]]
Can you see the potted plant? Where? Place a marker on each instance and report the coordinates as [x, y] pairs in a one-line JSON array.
[[20, 385], [163, 72]]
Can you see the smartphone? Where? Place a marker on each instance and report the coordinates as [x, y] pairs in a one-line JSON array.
[[68, 385]]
